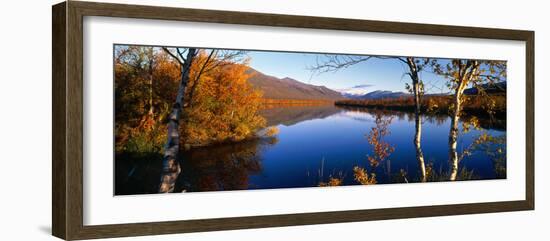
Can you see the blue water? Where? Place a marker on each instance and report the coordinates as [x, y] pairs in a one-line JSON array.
[[316, 143], [311, 148]]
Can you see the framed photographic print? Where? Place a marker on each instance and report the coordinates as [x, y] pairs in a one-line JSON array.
[[171, 120]]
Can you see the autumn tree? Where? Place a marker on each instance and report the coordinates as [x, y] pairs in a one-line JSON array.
[[381, 150], [161, 92], [194, 64], [209, 61], [166, 74], [462, 73], [133, 67], [132, 71], [224, 106]]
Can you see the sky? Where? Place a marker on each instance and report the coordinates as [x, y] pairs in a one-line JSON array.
[[371, 75], [378, 74]]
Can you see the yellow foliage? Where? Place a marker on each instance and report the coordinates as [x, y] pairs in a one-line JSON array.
[[362, 176], [382, 149], [332, 182], [272, 131], [469, 123], [219, 104], [224, 106]]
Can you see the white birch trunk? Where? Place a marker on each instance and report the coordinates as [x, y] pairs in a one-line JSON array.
[[453, 132], [170, 166], [418, 118], [467, 76], [418, 133]]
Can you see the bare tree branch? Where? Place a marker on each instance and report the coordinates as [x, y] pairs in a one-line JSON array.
[[225, 58], [172, 55], [334, 63]]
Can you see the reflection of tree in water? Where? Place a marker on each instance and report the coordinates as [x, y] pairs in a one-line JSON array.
[[381, 150], [435, 118], [223, 167], [380, 154], [494, 147], [498, 156]]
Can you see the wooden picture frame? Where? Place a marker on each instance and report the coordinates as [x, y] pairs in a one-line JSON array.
[[67, 152]]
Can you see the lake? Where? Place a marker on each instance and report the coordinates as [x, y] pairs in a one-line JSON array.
[[316, 143]]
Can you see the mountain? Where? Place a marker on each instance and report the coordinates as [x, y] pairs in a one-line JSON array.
[[495, 88], [356, 91], [383, 94], [288, 88]]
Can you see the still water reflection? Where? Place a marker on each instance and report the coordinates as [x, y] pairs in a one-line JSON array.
[[316, 143]]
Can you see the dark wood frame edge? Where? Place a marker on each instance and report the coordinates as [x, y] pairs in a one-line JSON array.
[[67, 121], [59, 182]]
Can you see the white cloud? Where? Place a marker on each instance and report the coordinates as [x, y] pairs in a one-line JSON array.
[[357, 90]]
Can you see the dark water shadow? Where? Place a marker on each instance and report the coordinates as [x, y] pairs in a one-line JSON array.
[[222, 167], [137, 173], [213, 168]]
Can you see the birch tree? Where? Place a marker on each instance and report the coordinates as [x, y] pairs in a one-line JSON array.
[[170, 165], [462, 73], [418, 92], [185, 58], [332, 63]]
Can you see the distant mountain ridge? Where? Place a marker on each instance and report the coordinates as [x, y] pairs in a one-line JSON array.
[[288, 88], [493, 88], [383, 94], [356, 91]]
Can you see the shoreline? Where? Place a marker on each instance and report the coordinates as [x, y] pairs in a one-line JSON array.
[[404, 105]]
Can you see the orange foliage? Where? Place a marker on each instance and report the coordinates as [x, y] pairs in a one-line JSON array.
[[332, 182], [166, 76], [382, 150], [362, 176], [224, 106], [219, 106]]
